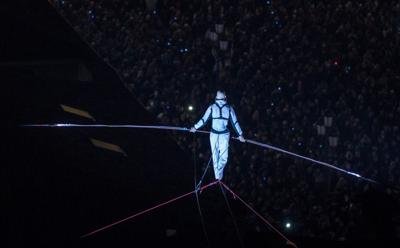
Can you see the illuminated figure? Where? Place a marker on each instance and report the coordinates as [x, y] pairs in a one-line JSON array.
[[220, 113]]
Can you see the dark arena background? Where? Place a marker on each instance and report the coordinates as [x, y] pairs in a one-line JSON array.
[[316, 78]]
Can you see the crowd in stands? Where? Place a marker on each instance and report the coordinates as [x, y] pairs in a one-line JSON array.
[[318, 77]]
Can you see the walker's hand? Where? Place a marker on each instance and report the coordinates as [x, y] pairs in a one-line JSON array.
[[241, 139], [192, 130]]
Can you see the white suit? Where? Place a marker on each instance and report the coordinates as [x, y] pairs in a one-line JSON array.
[[220, 113]]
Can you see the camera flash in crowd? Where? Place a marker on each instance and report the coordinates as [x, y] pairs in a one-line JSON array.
[[190, 108]]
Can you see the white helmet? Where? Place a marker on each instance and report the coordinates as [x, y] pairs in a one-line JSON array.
[[220, 96]]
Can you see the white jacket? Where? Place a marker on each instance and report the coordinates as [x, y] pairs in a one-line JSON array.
[[220, 113]]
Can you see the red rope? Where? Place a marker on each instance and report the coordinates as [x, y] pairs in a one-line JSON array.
[[260, 216], [147, 210]]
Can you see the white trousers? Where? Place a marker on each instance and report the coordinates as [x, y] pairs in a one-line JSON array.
[[219, 149]]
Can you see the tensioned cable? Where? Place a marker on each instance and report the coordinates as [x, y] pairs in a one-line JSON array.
[[289, 242], [232, 216], [197, 193], [204, 173], [146, 211]]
